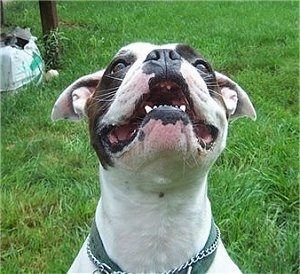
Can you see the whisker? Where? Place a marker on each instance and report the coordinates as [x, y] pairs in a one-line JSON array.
[[105, 96], [215, 93], [104, 100], [212, 84], [110, 89], [112, 77], [206, 77]]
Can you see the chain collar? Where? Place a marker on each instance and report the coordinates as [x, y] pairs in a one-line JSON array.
[[188, 266]]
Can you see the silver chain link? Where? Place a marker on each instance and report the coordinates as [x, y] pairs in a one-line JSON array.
[[105, 269]]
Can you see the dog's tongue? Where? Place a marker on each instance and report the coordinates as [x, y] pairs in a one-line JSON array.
[[121, 133], [204, 133]]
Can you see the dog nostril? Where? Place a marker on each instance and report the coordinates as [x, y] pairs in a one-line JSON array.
[[163, 55], [153, 55], [173, 55]]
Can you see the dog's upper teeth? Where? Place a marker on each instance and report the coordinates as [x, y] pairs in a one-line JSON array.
[[183, 107], [154, 107], [133, 132], [148, 108]]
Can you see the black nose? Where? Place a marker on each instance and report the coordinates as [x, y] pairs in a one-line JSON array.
[[163, 55], [164, 63]]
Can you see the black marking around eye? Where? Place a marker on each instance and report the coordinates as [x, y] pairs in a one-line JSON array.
[[188, 53]]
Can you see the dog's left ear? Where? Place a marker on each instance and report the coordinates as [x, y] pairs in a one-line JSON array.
[[236, 99], [71, 102]]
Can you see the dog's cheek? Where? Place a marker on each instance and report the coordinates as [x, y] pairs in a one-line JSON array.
[[103, 156], [95, 138]]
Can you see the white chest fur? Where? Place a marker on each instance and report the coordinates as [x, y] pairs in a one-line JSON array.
[[159, 230]]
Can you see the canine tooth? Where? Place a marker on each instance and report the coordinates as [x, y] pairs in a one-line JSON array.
[[202, 144], [183, 107], [148, 108], [154, 107]]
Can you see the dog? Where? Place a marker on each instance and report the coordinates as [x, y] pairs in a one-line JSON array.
[[158, 118]]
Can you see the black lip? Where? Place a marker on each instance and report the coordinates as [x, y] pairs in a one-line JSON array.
[[167, 114]]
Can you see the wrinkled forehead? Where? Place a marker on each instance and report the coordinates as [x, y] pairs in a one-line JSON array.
[[140, 49]]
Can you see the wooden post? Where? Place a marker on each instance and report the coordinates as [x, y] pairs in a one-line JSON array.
[[51, 40], [48, 16], [2, 13]]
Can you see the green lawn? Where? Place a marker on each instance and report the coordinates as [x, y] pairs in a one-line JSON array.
[[49, 180]]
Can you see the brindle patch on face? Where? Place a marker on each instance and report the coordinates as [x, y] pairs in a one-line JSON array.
[[188, 53], [102, 98]]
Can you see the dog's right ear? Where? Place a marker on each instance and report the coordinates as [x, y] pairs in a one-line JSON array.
[[71, 102]]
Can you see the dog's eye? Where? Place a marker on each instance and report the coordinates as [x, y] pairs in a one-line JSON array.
[[118, 66], [202, 66]]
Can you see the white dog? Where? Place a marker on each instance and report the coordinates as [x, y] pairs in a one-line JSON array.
[[158, 119]]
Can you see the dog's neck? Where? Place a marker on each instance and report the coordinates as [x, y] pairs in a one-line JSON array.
[[152, 231]]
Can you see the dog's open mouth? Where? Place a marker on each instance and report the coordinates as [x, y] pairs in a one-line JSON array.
[[167, 101]]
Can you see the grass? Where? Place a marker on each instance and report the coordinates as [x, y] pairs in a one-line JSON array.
[[49, 185]]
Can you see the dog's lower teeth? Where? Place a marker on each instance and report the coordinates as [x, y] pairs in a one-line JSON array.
[[202, 143], [183, 107], [148, 109]]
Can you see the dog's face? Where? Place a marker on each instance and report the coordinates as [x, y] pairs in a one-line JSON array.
[[155, 102], [156, 105]]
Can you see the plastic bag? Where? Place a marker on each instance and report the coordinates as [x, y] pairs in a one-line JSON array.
[[20, 63]]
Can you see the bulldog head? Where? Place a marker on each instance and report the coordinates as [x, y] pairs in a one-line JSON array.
[[156, 105]]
